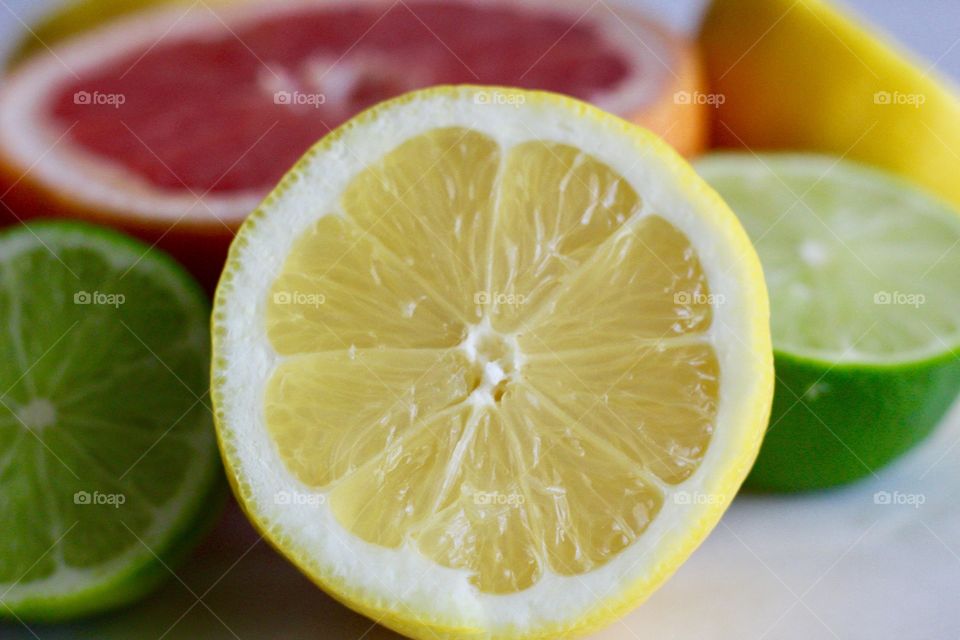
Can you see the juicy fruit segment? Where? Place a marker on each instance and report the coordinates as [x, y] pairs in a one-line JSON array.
[[328, 408], [566, 204], [496, 355], [103, 441]]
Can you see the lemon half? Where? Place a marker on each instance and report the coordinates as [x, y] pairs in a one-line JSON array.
[[490, 363]]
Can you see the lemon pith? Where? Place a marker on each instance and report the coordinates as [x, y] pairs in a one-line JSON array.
[[496, 360]]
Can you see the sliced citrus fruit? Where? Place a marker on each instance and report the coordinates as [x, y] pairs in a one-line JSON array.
[[108, 457], [490, 363], [864, 275], [174, 123], [804, 75]]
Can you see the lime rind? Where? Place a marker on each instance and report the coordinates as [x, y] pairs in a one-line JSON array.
[[834, 424]]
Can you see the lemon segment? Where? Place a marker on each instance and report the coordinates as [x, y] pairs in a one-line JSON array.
[[556, 206]]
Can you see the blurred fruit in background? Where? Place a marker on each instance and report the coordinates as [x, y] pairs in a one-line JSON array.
[[865, 306], [110, 470], [173, 124], [803, 75]]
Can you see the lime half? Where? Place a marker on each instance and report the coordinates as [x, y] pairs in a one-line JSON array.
[[864, 277], [108, 461]]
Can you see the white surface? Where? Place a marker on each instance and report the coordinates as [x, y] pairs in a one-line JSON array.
[[828, 565], [831, 565]]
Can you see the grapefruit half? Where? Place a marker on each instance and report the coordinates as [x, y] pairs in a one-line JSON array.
[[175, 122]]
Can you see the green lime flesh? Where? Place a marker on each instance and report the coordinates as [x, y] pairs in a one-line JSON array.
[[109, 469], [863, 271]]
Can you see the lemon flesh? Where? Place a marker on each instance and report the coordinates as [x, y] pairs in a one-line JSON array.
[[492, 371]]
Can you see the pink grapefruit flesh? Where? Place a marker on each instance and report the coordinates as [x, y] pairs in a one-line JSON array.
[[174, 123]]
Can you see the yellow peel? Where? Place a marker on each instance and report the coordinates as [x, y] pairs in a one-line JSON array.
[[804, 75]]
